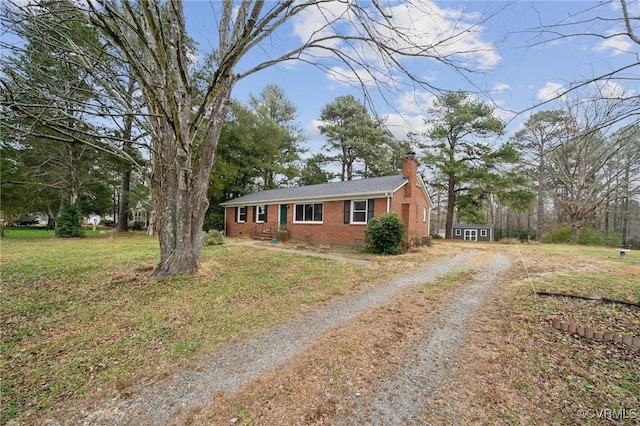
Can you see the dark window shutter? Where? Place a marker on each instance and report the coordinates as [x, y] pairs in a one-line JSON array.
[[255, 213], [266, 209], [370, 209], [235, 215], [347, 208]]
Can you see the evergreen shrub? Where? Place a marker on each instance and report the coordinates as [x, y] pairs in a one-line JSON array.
[[69, 223], [384, 234]]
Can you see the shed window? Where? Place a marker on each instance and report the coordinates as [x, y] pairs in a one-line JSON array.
[[458, 232], [483, 232], [308, 213]]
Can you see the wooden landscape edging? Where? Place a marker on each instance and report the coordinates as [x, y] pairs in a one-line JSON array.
[[591, 298], [590, 333]]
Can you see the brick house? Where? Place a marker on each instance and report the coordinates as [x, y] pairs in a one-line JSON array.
[[335, 212]]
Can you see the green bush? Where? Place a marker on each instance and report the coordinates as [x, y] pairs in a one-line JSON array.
[[384, 234], [589, 237], [107, 222], [612, 239], [213, 238], [69, 223], [213, 220], [561, 234], [136, 225], [594, 237]]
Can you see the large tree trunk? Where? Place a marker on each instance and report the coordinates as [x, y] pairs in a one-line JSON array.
[[451, 203], [123, 204], [74, 182], [540, 205], [179, 189]]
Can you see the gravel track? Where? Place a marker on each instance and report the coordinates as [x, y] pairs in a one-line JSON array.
[[401, 400], [234, 364]]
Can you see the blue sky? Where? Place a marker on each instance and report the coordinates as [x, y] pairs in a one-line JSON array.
[[514, 72]]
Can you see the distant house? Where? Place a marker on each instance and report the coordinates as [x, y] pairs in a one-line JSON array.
[[470, 232], [335, 212]]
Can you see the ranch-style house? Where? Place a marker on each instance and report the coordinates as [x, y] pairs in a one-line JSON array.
[[335, 212]]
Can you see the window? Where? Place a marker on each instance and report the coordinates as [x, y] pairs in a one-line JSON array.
[[458, 232], [424, 215], [483, 232], [359, 211], [308, 213], [242, 214], [261, 213]]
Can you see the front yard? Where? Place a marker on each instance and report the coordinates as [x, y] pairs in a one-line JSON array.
[[81, 321]]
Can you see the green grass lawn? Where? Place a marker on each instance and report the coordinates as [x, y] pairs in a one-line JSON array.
[[81, 316]]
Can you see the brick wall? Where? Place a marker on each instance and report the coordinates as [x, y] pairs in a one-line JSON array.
[[332, 230]]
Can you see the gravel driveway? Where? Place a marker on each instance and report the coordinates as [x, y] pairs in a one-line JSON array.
[[234, 364], [400, 401]]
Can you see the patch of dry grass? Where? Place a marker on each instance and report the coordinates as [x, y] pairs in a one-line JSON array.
[[517, 369], [81, 319]]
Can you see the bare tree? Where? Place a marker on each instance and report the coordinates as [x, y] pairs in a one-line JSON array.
[[375, 43], [542, 133], [592, 165]]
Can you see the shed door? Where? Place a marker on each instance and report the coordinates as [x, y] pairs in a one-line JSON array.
[[471, 235]]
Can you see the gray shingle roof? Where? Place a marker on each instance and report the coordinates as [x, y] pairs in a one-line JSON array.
[[370, 187], [471, 226]]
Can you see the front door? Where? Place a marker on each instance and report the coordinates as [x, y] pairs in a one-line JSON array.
[[282, 216], [471, 235]]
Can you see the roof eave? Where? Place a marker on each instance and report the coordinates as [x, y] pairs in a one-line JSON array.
[[376, 194]]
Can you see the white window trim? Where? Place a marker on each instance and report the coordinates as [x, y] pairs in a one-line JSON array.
[[307, 222], [245, 214], [424, 215], [483, 232], [353, 210], [458, 232], [264, 207]]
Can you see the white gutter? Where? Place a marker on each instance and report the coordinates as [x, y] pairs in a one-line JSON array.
[[388, 195]]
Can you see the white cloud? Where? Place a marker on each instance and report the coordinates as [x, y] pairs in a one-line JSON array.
[[616, 44], [549, 91], [311, 129], [401, 124], [612, 90], [500, 87], [427, 30], [415, 102], [358, 77], [313, 22], [441, 32], [501, 112]]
